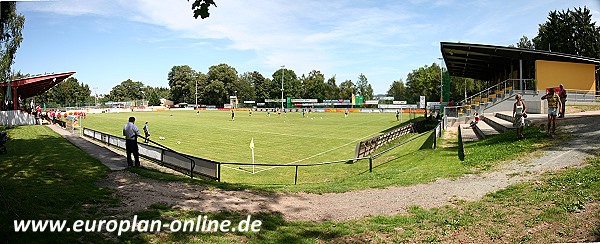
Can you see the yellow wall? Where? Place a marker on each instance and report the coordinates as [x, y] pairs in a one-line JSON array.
[[571, 75]]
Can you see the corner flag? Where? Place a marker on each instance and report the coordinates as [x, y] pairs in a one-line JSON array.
[[252, 148]]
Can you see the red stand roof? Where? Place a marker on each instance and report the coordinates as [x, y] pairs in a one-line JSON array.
[[33, 86]]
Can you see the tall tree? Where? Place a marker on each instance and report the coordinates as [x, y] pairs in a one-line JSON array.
[[128, 90], [220, 84], [525, 42], [314, 85], [153, 99], [66, 93], [332, 91], [182, 79], [244, 87], [347, 88], [363, 87], [425, 81], [571, 31], [11, 25], [259, 84], [400, 92], [291, 84]]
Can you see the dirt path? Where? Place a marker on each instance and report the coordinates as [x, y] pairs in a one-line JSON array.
[[138, 192]]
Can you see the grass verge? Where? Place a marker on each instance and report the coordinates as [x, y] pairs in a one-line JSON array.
[[560, 207], [43, 176]]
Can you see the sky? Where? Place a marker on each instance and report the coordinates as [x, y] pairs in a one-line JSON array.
[[109, 41]]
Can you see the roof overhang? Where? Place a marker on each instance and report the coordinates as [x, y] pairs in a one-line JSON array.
[[485, 62], [36, 85]]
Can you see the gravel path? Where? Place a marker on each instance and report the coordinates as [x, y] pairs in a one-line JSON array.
[[138, 192]]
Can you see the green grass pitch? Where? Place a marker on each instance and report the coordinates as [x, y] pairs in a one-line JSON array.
[[278, 139]]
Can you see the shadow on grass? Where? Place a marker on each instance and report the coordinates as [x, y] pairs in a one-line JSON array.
[[273, 228], [43, 176]]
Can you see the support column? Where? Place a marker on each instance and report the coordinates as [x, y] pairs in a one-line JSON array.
[[15, 100], [521, 73]]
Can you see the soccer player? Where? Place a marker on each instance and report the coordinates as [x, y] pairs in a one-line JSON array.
[[250, 112], [346, 113], [268, 112], [303, 112], [232, 115], [397, 115]]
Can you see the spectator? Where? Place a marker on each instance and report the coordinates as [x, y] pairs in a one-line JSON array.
[[563, 99], [554, 105], [475, 120], [519, 110], [131, 132]]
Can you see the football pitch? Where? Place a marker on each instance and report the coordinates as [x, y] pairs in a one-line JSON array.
[[285, 139]]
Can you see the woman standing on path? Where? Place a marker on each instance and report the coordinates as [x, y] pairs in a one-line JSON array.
[[519, 110]]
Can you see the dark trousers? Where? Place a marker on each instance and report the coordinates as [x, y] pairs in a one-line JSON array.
[[132, 147]]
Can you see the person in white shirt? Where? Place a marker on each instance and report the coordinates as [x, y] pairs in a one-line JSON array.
[[131, 133]]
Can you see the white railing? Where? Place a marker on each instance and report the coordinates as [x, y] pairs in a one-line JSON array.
[[505, 87], [587, 96]]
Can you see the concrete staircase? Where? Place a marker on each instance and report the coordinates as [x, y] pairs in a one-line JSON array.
[[490, 124]]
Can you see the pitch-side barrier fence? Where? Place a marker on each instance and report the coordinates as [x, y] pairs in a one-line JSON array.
[[212, 169], [163, 155], [436, 134]]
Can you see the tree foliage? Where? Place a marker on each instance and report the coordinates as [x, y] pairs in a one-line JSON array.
[[332, 91], [68, 92], [200, 8], [220, 83], [291, 84], [313, 86], [11, 25], [347, 88], [571, 32], [182, 82], [425, 81], [128, 90], [400, 92], [363, 87], [524, 42]]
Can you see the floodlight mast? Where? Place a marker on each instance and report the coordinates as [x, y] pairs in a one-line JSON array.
[[282, 72]]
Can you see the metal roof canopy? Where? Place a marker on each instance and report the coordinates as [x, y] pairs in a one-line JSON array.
[[485, 62], [36, 85]]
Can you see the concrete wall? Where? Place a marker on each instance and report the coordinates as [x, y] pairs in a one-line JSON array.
[[572, 75], [16, 117], [536, 106]]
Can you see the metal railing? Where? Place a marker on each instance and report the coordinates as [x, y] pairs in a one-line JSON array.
[[162, 154], [367, 147], [500, 89], [436, 134], [456, 114], [212, 169], [585, 96]]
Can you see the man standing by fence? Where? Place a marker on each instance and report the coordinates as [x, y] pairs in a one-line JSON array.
[[131, 132]]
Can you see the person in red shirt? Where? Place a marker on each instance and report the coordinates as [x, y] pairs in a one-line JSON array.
[[475, 120], [563, 100]]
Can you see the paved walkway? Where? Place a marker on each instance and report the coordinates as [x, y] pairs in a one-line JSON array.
[[107, 157]]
